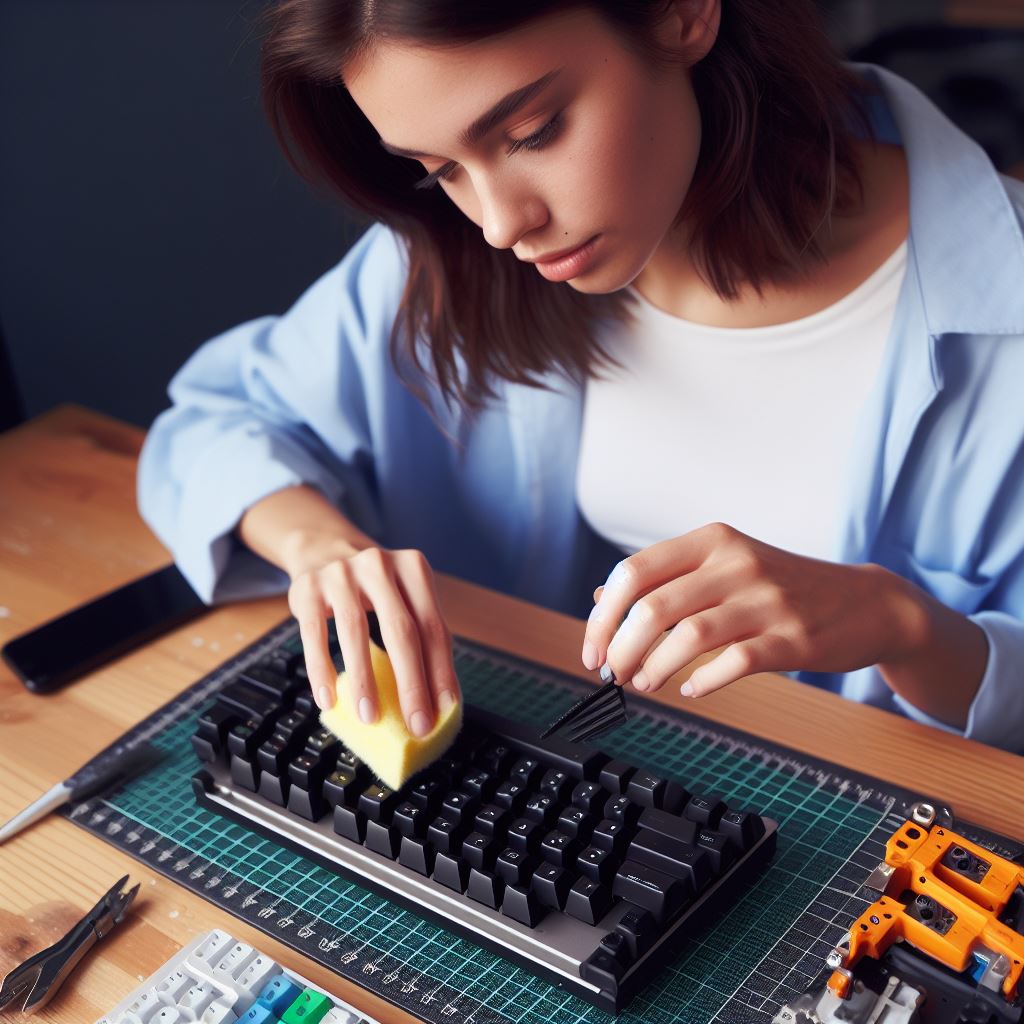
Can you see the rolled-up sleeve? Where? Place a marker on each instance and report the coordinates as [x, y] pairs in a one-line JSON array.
[[270, 404]]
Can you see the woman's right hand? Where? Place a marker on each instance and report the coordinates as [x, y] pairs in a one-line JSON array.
[[399, 587]]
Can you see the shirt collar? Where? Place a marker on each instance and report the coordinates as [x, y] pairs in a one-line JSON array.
[[965, 233]]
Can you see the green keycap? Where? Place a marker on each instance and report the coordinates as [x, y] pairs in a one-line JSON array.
[[308, 1008]]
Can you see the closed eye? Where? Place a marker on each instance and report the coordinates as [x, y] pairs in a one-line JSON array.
[[538, 140]]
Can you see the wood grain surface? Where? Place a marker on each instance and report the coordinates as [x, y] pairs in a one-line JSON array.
[[69, 530]]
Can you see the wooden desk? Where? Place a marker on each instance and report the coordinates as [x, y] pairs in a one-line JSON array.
[[69, 531]]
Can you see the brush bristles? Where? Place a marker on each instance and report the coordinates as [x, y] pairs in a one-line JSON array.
[[594, 714]]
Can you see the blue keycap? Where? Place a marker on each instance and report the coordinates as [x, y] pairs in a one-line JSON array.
[[279, 993], [259, 1013]]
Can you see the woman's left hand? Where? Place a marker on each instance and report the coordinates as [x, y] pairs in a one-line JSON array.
[[770, 609]]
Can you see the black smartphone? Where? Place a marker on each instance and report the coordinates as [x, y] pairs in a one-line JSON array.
[[58, 652]]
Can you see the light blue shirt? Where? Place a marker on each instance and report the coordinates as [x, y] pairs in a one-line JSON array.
[[935, 486]]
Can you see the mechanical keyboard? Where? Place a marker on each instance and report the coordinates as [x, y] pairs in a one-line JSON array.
[[220, 980], [583, 869]]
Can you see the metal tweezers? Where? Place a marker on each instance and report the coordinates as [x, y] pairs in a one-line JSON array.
[[39, 977]]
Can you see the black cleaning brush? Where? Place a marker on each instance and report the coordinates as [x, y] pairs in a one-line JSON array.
[[596, 713]]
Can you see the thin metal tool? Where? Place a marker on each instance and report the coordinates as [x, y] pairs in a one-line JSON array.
[[116, 764], [39, 977], [595, 714]]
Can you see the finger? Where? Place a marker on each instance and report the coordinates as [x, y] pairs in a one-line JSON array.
[[695, 635], [617, 595], [657, 611], [416, 582], [346, 602], [308, 607], [598, 592], [401, 637], [765, 653]]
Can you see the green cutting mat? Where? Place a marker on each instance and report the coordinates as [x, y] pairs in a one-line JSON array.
[[766, 948]]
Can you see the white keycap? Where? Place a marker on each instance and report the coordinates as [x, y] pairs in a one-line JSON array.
[[170, 1015], [257, 973], [212, 949], [172, 984], [128, 1018], [220, 1012], [340, 1016], [235, 960], [146, 1005], [198, 997]]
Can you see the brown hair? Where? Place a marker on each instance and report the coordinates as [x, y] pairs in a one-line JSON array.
[[777, 158]]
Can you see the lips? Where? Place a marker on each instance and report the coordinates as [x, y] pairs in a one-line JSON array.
[[552, 256]]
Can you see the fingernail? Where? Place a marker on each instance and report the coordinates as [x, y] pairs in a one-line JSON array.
[[687, 689], [365, 710], [589, 655], [446, 700], [420, 723], [324, 698], [640, 681]]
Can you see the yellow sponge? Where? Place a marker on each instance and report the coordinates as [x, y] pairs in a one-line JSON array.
[[393, 754]]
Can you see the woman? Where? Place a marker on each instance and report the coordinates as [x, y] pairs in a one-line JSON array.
[[660, 284]]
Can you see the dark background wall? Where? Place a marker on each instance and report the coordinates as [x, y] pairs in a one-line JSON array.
[[145, 207]]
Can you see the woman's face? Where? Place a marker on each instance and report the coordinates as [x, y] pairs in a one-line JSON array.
[[602, 149]]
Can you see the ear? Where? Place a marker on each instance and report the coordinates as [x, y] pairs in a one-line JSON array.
[[691, 27]]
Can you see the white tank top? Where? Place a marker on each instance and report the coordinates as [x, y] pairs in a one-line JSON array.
[[748, 426]]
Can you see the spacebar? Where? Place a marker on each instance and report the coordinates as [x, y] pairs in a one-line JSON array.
[[572, 758]]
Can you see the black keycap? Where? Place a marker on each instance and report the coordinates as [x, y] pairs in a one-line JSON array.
[[492, 821], [308, 804], [427, 795], [610, 835], [596, 864], [275, 684], [343, 786], [479, 851], [274, 788], [718, 848], [525, 835], [559, 849], [382, 839], [346, 759], [479, 783], [245, 738], [417, 855], [615, 776], [323, 741], [485, 888], [654, 890], [684, 861], [511, 795], [578, 761], [743, 829], [576, 823], [273, 754], [452, 872], [307, 771], [295, 724], [589, 797], [350, 823], [496, 757], [527, 772], [304, 702], [214, 724], [542, 809], [669, 825], [522, 904], [244, 773], [377, 802], [514, 867], [247, 699], [445, 835], [639, 930], [552, 885], [602, 969], [622, 810], [650, 790], [460, 807], [588, 901], [617, 947], [705, 810], [557, 784], [410, 820]]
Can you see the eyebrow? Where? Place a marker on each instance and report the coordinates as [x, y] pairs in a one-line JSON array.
[[505, 107]]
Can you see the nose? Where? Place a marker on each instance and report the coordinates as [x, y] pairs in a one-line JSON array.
[[508, 213]]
